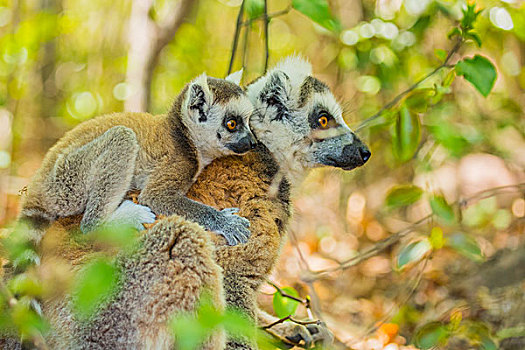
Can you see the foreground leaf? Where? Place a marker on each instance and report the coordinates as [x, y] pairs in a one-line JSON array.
[[479, 71], [284, 306], [403, 195], [94, 283]]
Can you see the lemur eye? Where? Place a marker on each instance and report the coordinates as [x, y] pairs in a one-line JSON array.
[[323, 121], [231, 124]]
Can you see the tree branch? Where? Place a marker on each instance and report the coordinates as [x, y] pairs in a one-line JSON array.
[[398, 98], [146, 41], [236, 37], [394, 238]]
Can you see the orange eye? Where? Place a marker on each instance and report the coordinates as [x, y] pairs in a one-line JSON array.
[[231, 124], [323, 121]]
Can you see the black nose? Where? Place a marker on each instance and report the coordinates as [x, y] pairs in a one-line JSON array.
[[365, 154]]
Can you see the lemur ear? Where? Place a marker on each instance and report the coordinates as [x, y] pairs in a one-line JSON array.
[[198, 99], [276, 93], [235, 77]]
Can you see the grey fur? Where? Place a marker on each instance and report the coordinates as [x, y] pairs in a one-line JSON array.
[[90, 170]]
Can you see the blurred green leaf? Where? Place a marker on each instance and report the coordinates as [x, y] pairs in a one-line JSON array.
[[466, 246], [454, 32], [469, 16], [419, 99], [403, 195], [319, 12], [189, 333], [284, 306], [431, 335], [441, 54], [25, 284], [473, 36], [413, 252], [254, 8], [441, 208], [436, 238], [479, 71], [449, 78], [93, 285], [406, 134]]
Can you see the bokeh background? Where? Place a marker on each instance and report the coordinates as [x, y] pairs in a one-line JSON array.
[[65, 61]]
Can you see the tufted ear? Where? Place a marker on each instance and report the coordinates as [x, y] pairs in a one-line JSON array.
[[235, 77], [276, 93], [198, 99]]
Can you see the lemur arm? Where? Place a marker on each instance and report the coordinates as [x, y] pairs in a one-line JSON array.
[[165, 194]]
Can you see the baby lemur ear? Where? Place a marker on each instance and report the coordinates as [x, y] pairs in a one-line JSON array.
[[276, 93], [198, 98], [235, 77]]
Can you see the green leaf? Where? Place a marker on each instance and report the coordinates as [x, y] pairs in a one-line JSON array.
[[466, 246], [188, 331], [284, 306], [25, 284], [413, 252], [441, 54], [469, 16], [319, 12], [441, 208], [406, 134], [436, 238], [418, 100], [431, 335], [474, 36], [449, 78], [237, 324], [479, 71], [254, 8], [454, 32], [93, 285], [403, 195]]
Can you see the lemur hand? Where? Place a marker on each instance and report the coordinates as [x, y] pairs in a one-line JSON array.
[[131, 214], [233, 227], [307, 335]]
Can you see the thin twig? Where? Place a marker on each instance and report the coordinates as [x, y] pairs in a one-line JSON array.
[[270, 16], [290, 318], [266, 39], [394, 238], [236, 37], [285, 295], [411, 88]]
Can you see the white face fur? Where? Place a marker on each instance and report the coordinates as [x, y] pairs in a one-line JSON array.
[[216, 113], [291, 108]]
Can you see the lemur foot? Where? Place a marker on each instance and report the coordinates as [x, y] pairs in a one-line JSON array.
[[306, 336], [233, 227], [131, 214]]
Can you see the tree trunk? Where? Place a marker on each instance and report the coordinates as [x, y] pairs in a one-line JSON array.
[[146, 41]]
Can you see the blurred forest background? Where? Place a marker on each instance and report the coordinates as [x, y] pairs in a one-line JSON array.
[[424, 245]]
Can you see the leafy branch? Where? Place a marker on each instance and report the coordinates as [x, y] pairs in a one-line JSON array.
[[479, 71], [396, 237]]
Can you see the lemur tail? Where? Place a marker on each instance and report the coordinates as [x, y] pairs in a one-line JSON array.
[[34, 224]]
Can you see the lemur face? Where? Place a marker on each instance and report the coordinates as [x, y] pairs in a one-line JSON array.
[[218, 113], [298, 117]]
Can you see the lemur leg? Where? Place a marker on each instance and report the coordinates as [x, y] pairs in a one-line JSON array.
[[111, 174], [96, 176]]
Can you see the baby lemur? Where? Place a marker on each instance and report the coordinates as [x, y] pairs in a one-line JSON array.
[[92, 167]]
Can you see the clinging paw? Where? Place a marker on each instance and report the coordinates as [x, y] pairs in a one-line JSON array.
[[129, 213], [233, 227]]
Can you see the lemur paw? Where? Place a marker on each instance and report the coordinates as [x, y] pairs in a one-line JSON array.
[[131, 214], [312, 334], [233, 227]]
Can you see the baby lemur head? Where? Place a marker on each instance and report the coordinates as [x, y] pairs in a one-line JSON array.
[[216, 114], [299, 120]]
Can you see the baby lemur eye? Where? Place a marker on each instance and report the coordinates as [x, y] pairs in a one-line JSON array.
[[323, 120], [231, 124]]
